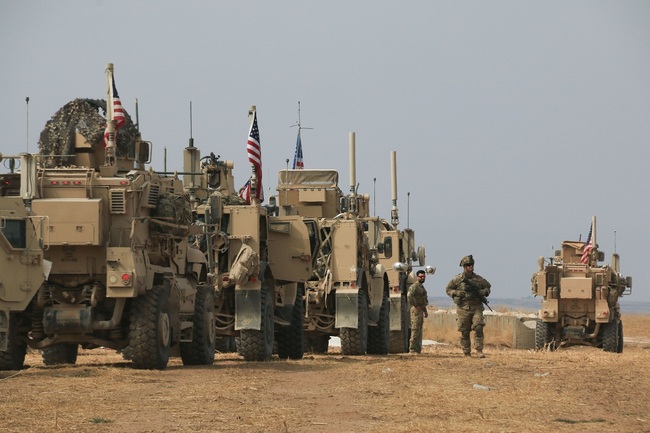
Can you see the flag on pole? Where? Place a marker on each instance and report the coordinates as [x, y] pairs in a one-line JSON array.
[[297, 156], [245, 191], [588, 247], [255, 158], [115, 105]]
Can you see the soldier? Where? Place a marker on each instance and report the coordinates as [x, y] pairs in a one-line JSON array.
[[417, 297], [469, 291]]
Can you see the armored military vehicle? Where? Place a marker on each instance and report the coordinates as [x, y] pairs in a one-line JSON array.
[[257, 260], [398, 254], [124, 274], [348, 293], [580, 297], [23, 270]]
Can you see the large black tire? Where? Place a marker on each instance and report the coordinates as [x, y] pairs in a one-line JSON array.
[[14, 357], [290, 338], [354, 341], [399, 339], [257, 345], [200, 351], [150, 331], [610, 336], [619, 347], [62, 353], [545, 336], [379, 336]]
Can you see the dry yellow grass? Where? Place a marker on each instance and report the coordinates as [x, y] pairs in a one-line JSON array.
[[580, 389]]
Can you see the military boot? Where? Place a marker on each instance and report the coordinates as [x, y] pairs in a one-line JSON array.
[[480, 354]]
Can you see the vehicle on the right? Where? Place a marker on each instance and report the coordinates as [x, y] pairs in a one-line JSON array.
[[580, 303]]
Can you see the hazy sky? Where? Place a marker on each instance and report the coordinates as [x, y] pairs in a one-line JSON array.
[[514, 122]]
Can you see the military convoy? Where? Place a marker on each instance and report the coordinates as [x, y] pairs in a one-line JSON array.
[[106, 253], [580, 297]]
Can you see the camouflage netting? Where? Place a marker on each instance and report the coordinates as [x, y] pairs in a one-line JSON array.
[[58, 136], [175, 213]]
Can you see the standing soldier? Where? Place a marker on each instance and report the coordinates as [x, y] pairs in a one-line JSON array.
[[417, 297], [469, 291]]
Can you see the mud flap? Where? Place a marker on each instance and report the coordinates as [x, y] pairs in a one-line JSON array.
[[396, 313], [347, 309], [248, 306]]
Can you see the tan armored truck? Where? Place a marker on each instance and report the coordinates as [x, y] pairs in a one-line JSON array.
[[348, 293], [397, 254], [124, 274], [257, 260], [22, 271], [580, 297]]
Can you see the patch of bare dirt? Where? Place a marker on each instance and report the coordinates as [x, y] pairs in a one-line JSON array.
[[574, 389]]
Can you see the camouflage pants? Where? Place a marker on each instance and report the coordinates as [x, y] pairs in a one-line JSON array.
[[417, 319], [470, 318]]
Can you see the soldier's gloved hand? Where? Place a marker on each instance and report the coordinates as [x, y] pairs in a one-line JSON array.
[[483, 292], [462, 294]]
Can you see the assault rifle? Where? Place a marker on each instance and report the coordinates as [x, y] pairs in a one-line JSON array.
[[471, 287]]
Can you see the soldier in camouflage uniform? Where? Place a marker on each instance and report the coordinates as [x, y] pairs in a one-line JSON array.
[[417, 297], [469, 290]]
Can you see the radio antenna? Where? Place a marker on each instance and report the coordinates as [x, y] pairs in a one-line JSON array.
[[27, 127], [408, 209], [191, 136], [374, 196]]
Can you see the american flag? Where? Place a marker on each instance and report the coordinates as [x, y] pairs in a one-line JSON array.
[[255, 158], [297, 156], [118, 111], [588, 247], [245, 191]]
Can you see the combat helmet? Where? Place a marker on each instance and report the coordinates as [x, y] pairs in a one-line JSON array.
[[467, 260]]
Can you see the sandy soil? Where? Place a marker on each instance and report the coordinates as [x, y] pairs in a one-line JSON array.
[[574, 389]]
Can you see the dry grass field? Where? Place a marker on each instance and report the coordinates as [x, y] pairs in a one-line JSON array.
[[578, 389]]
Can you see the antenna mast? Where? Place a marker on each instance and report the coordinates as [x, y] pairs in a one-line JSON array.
[[27, 108]]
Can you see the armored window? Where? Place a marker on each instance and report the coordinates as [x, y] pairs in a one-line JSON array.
[[388, 247], [14, 232], [550, 279]]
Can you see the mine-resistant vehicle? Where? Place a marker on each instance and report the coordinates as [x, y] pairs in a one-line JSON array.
[[580, 297], [23, 270], [124, 274], [398, 255], [348, 293], [257, 260]]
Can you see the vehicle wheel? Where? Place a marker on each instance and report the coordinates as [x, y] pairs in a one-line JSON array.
[[257, 345], [150, 330], [201, 350], [379, 336], [62, 353], [399, 340], [619, 347], [610, 336], [354, 341], [545, 336], [14, 357], [290, 338]]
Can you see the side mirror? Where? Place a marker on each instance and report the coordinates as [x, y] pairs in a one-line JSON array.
[[400, 267], [430, 270]]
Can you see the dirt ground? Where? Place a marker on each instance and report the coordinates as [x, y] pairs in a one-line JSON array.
[[573, 390]]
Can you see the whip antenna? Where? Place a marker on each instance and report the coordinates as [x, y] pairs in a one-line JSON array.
[[27, 108]]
